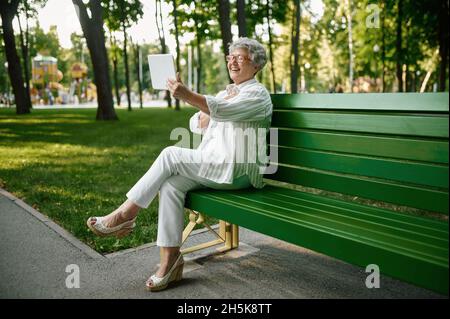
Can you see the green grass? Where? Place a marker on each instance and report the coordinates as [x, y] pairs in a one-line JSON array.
[[69, 166]]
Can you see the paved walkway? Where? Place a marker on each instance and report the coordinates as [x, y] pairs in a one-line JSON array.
[[35, 253]]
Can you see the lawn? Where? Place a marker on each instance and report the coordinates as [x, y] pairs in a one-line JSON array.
[[69, 166]]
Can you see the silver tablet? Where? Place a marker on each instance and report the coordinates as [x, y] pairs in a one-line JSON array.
[[162, 67]]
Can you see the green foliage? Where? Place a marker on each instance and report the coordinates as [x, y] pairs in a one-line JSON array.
[[121, 13], [45, 43]]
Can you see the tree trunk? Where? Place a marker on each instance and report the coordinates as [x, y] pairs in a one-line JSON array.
[[115, 62], [225, 27], [199, 55], [398, 46], [175, 18], [95, 39], [443, 44], [272, 67], [7, 12], [294, 49], [24, 44], [199, 65], [383, 49], [162, 40], [241, 18], [138, 73], [125, 62], [350, 44]]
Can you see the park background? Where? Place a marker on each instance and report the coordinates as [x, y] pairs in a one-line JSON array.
[[72, 163]]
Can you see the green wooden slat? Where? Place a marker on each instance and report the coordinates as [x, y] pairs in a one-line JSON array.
[[400, 238], [427, 225], [369, 123], [388, 192], [401, 171], [417, 271], [435, 233], [394, 147], [381, 236], [429, 102]]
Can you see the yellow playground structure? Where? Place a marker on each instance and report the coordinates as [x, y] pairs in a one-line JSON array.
[[46, 88]]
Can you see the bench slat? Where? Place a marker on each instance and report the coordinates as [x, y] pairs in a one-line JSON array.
[[426, 199], [429, 102], [427, 226], [406, 242], [394, 147], [401, 171], [417, 125]]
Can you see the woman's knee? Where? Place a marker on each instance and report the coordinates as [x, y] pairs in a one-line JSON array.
[[178, 184], [169, 150], [168, 187]]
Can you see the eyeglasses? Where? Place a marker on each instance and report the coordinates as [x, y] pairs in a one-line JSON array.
[[239, 58]]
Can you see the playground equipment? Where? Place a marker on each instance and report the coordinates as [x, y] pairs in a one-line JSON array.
[[45, 77], [46, 88], [81, 89]]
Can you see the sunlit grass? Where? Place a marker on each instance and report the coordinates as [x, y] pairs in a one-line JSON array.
[[70, 167]]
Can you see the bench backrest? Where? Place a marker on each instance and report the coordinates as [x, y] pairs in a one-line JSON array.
[[391, 147]]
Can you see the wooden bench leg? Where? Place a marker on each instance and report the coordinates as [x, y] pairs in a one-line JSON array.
[[228, 234]]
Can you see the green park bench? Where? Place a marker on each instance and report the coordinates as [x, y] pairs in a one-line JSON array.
[[386, 147]]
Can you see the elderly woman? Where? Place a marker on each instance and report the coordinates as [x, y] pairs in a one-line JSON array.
[[243, 106]]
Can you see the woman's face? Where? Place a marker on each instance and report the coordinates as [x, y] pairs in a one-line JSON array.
[[240, 71]]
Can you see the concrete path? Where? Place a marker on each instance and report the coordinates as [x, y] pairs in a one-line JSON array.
[[35, 254]]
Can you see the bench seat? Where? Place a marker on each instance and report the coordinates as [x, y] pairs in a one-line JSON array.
[[404, 246]]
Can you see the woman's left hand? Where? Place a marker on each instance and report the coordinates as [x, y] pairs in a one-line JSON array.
[[178, 89]]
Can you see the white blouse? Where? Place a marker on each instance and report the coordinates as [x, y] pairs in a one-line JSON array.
[[240, 110]]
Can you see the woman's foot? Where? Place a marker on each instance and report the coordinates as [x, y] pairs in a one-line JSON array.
[[119, 223], [170, 269], [126, 212]]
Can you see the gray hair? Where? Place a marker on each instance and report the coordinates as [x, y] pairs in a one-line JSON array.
[[255, 49]]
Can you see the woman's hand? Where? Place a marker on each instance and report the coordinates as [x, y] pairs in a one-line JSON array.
[[178, 89], [181, 92], [204, 120]]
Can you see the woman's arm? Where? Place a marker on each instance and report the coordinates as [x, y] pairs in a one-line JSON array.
[[181, 92]]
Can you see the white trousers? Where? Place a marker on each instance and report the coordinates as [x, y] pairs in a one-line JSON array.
[[173, 174]]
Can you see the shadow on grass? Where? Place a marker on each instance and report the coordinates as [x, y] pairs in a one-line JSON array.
[[80, 127]]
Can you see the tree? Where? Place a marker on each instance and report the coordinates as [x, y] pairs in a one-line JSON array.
[[348, 9], [162, 41], [199, 18], [92, 26], [175, 22], [225, 26], [295, 44], [114, 52], [399, 49], [137, 62], [272, 68], [8, 9], [121, 15], [383, 47], [241, 18], [443, 43], [28, 10]]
